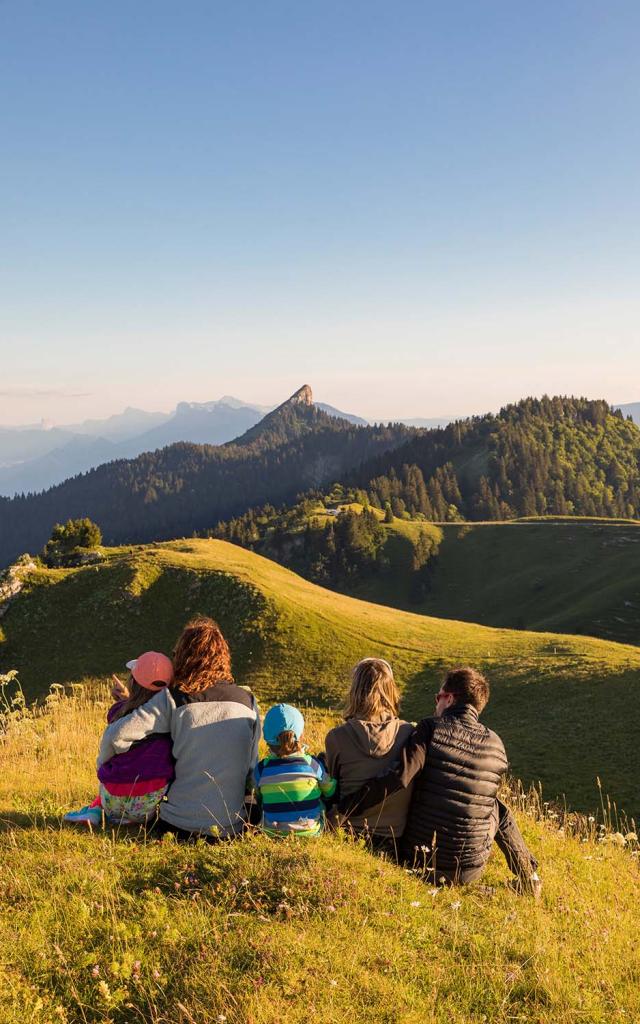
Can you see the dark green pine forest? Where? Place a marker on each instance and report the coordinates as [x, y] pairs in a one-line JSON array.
[[549, 456]]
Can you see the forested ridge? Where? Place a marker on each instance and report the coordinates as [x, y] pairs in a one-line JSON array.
[[559, 456], [548, 456], [186, 488]]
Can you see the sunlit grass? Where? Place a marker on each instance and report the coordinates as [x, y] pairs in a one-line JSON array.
[[566, 706], [109, 927]]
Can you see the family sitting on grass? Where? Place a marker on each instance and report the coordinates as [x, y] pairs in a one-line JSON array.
[[180, 755]]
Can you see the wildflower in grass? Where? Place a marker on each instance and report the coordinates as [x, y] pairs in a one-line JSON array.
[[434, 892], [414, 903], [95, 971], [333, 983], [456, 905], [105, 991]]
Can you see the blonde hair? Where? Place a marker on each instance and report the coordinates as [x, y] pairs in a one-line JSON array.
[[374, 693]]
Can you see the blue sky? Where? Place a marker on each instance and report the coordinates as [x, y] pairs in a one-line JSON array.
[[417, 208]]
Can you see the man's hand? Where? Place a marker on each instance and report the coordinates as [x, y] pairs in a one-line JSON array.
[[119, 690]]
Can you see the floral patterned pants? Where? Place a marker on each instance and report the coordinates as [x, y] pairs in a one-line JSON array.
[[131, 810]]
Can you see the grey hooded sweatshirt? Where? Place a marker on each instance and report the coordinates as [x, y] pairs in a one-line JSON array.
[[215, 736], [359, 751]]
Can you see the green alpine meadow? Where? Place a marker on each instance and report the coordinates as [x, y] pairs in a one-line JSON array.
[[296, 641], [110, 927]]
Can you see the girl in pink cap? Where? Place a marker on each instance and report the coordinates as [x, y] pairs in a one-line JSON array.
[[133, 784]]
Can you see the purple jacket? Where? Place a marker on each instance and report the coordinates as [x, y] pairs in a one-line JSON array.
[[150, 758]]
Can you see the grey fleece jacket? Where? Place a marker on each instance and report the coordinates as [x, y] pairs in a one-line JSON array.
[[359, 751], [215, 736]]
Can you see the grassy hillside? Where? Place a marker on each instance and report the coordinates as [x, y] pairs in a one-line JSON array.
[[566, 706], [111, 929], [568, 575]]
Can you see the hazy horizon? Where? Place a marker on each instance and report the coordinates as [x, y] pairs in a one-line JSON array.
[[352, 408], [420, 211]]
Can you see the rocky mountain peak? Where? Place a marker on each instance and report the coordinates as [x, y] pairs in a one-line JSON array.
[[303, 396]]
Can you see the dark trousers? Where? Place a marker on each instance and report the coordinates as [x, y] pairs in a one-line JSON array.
[[504, 831], [509, 839]]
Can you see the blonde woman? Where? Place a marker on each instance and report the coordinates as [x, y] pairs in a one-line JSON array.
[[368, 743]]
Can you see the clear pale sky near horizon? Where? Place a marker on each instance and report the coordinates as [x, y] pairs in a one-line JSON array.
[[420, 209]]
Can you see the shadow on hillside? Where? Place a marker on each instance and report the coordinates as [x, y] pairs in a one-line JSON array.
[[576, 736], [418, 694], [90, 623]]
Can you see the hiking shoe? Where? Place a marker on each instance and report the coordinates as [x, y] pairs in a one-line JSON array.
[[91, 816]]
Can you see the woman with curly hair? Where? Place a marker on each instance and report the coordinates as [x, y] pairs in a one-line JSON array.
[[215, 730]]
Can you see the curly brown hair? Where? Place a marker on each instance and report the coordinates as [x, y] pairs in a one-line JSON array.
[[201, 657]]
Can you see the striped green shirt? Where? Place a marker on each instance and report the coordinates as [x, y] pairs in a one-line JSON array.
[[291, 791]]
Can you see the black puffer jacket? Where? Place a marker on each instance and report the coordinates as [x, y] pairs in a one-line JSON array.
[[457, 765]]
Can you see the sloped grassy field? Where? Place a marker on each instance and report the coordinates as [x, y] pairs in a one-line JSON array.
[[114, 928], [568, 575], [566, 706]]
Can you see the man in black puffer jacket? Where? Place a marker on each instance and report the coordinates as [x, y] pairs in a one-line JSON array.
[[456, 765]]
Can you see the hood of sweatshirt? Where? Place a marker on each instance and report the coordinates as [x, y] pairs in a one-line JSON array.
[[374, 738]]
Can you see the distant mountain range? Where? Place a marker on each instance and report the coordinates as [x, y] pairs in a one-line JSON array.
[[183, 487], [551, 456], [33, 459]]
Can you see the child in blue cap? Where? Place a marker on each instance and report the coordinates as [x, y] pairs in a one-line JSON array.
[[291, 785]]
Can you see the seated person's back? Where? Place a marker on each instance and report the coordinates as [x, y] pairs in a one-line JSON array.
[[290, 784], [367, 744]]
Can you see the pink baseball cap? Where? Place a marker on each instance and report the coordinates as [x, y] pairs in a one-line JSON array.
[[151, 670]]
